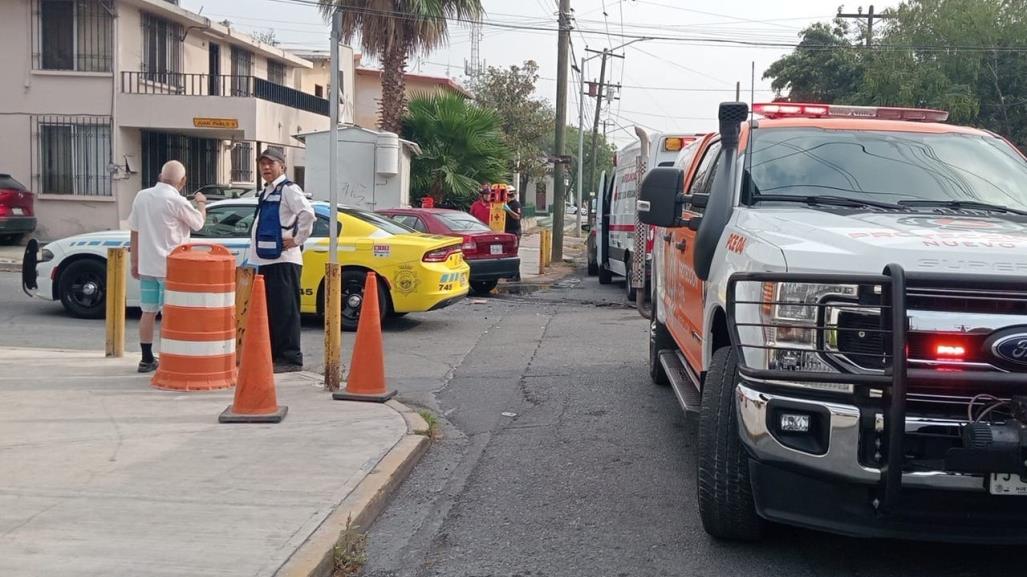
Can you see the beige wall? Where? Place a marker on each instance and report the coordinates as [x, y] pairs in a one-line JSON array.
[[369, 95], [321, 73]]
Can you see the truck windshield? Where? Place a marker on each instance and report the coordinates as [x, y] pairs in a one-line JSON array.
[[888, 166]]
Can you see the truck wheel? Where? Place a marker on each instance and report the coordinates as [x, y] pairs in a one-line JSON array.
[[605, 276], [83, 287], [659, 340], [725, 494], [629, 290]]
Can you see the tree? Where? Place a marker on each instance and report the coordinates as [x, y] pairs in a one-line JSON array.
[[526, 121], [604, 158], [824, 67], [461, 147], [963, 56], [395, 30], [266, 36]]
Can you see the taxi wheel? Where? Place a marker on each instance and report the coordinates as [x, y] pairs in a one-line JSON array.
[[353, 298]]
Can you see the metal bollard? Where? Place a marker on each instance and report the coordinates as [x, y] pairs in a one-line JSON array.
[[333, 326], [115, 320], [243, 289]]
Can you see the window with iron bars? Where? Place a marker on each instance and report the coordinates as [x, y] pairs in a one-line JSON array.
[[276, 72], [242, 68], [201, 157], [162, 50], [73, 155], [73, 35], [242, 162]]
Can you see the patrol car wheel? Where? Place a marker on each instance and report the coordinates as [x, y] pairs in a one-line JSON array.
[[726, 504], [83, 289]]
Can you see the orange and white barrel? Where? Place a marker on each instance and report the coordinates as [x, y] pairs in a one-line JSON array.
[[197, 337]]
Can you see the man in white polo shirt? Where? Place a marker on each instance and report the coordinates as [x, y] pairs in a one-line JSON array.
[[161, 219]]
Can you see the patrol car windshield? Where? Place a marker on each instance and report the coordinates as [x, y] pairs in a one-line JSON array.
[[389, 226], [893, 167]]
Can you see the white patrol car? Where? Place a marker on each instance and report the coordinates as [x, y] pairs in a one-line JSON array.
[[840, 294]]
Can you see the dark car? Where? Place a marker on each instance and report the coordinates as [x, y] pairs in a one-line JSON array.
[[223, 192], [491, 255], [17, 210]]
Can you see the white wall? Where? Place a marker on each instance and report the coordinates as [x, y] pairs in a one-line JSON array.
[[359, 185]]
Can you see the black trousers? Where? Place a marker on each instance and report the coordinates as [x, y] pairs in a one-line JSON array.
[[282, 287]]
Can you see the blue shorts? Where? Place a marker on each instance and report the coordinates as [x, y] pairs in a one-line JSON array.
[[151, 294]]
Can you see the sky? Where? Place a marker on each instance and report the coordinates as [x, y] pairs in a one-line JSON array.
[[671, 83]]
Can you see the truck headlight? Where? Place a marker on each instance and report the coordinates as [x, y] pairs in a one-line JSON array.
[[791, 313]]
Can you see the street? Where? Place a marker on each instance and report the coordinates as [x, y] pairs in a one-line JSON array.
[[557, 455]]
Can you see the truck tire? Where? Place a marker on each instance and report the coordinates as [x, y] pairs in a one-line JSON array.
[[726, 504], [629, 291], [659, 339], [605, 276]]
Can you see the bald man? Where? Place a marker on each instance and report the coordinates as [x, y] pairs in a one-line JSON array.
[[161, 219]]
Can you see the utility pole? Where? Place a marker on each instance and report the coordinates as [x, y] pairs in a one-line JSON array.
[[333, 272], [600, 94], [562, 57], [581, 143], [869, 17]]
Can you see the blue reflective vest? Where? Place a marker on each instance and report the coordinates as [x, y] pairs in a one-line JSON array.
[[269, 225]]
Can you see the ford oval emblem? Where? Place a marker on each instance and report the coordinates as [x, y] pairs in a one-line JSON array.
[[1011, 348]]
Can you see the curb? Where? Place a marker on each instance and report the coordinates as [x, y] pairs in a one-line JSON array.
[[6, 266], [316, 556]]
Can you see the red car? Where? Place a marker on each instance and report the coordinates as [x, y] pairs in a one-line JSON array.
[[491, 255], [17, 217]]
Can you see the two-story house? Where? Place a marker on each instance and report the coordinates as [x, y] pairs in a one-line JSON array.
[[100, 93]]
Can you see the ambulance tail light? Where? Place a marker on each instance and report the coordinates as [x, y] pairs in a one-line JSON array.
[[802, 110], [441, 254]]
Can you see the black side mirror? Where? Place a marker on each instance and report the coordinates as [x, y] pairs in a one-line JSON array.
[[660, 199], [700, 200]]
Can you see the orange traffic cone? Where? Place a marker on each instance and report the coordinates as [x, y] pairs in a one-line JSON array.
[[366, 380], [255, 399]]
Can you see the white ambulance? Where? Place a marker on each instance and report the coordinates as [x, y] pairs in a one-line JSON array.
[[616, 220]]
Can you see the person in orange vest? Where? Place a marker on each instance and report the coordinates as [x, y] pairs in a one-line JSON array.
[[160, 220], [481, 209]]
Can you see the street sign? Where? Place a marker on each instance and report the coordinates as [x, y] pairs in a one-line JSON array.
[[216, 123]]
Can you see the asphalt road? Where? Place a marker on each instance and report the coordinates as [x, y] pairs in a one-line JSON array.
[[558, 457]]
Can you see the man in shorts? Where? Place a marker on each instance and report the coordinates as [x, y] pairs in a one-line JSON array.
[[161, 219]]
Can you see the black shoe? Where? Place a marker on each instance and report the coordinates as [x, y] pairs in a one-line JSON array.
[[287, 368], [148, 366]]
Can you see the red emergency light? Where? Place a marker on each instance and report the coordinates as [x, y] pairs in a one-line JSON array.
[[949, 352], [803, 110]]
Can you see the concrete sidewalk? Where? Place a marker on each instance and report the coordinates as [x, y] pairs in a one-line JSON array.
[[103, 475]]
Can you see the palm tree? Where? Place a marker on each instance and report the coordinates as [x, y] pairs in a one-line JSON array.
[[394, 30], [461, 146]]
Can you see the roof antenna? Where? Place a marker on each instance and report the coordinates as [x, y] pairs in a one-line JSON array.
[[751, 145]]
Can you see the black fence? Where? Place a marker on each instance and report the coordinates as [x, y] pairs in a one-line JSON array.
[[181, 84]]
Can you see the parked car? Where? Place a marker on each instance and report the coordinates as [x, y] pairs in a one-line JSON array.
[[492, 256], [17, 210], [223, 192], [417, 273]]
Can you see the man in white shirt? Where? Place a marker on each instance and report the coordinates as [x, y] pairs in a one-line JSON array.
[[161, 219], [284, 222]]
